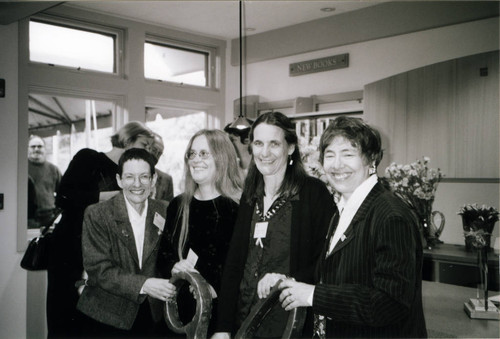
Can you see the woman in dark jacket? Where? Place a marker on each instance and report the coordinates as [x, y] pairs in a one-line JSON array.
[[369, 282], [201, 220], [280, 229]]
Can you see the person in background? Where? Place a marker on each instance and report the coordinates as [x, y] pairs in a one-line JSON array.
[[164, 189], [123, 296], [200, 221], [32, 204], [90, 178], [46, 178], [281, 226], [239, 138], [369, 283]]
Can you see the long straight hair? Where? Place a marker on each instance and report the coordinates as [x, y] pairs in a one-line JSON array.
[[228, 177], [295, 173]]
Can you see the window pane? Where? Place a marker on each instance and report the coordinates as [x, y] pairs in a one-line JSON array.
[[175, 64], [175, 127], [70, 47]]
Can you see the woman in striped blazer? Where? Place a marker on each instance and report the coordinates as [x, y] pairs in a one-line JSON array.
[[369, 277]]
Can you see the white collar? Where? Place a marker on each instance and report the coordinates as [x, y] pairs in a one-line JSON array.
[[132, 212], [138, 223], [359, 194], [349, 208]]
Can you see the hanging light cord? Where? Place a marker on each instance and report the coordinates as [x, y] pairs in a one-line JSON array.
[[241, 62], [241, 122]]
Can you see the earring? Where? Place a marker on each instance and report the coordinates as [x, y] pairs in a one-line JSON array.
[[372, 170], [290, 162]]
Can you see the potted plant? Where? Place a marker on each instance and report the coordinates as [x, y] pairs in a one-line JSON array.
[[478, 223]]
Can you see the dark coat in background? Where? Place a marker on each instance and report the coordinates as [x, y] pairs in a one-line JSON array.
[[164, 188], [89, 173]]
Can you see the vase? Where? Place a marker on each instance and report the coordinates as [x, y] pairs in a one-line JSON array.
[[471, 228], [430, 230]]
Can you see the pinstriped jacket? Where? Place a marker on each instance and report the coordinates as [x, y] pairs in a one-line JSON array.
[[371, 283], [111, 261]]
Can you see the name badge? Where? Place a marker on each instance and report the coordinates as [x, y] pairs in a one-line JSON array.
[[159, 221], [260, 232]]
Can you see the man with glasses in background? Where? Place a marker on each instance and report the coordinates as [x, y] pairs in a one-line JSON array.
[[45, 178]]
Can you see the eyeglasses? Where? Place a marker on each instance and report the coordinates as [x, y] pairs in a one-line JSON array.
[[203, 155], [129, 179]]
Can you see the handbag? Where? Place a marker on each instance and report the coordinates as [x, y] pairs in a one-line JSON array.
[[36, 257]]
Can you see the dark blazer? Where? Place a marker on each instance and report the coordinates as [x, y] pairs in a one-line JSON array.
[[311, 213], [164, 186], [111, 261], [371, 283]]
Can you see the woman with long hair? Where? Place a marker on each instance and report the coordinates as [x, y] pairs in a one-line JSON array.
[[281, 226], [201, 219]]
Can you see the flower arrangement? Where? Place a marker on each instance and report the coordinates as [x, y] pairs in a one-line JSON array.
[[414, 181], [484, 215], [416, 184], [478, 223], [309, 152]]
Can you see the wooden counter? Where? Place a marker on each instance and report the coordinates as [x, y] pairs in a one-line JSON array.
[[445, 316], [452, 264]]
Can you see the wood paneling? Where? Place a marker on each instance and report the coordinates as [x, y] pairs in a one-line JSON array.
[[387, 103], [477, 115], [446, 111]]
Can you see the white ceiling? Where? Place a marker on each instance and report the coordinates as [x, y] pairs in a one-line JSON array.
[[220, 18]]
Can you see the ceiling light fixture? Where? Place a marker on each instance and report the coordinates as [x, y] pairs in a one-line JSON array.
[[241, 122]]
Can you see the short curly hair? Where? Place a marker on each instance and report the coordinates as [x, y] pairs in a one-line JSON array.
[[359, 133]]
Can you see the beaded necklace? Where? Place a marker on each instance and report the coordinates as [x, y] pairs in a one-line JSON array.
[[277, 204]]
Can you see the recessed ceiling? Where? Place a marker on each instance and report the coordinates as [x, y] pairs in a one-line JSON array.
[[220, 18]]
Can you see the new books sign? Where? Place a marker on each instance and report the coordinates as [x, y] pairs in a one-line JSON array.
[[319, 65]]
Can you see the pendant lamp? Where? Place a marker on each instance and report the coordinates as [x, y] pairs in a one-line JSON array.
[[241, 122]]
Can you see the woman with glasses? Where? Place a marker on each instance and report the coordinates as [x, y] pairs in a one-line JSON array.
[[281, 226], [200, 221], [90, 178]]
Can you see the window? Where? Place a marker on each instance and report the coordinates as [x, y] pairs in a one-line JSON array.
[[68, 124], [178, 63], [73, 47], [175, 126]]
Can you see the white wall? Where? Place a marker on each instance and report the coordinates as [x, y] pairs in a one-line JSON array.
[[368, 62], [372, 61], [12, 277]]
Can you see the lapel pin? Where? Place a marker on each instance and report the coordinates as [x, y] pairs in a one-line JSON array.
[[124, 233], [343, 237]]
